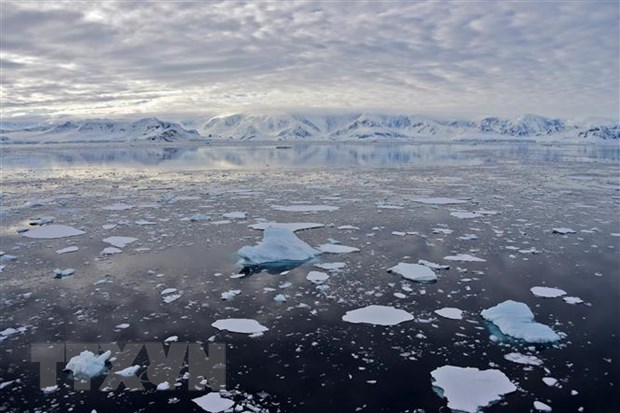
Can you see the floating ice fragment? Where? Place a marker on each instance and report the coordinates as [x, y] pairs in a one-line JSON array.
[[108, 226], [50, 389], [213, 403], [278, 245], [439, 201], [291, 226], [129, 371], [240, 325], [542, 407], [67, 250], [336, 249], [347, 227], [235, 215], [331, 266], [171, 339], [199, 217], [451, 313], [119, 242], [121, 206], [469, 389], [305, 208], [523, 359], [515, 319], [52, 231], [317, 277], [547, 292], [464, 258], [86, 365], [572, 300], [280, 298], [230, 294], [377, 315], [433, 266], [122, 326], [111, 251], [414, 272], [465, 214], [163, 386], [564, 231], [58, 273], [550, 381]]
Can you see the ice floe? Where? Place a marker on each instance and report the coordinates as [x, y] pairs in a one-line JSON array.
[[450, 312], [67, 250], [547, 292], [87, 365], [463, 258], [58, 273], [516, 320], [439, 201], [199, 217], [331, 266], [121, 206], [305, 208], [240, 325], [317, 277], [336, 249], [111, 251], [563, 231], [278, 245], [291, 226], [433, 266], [377, 315], [213, 403], [542, 407], [465, 214], [523, 359], [129, 371], [414, 272], [119, 242], [230, 294], [468, 389], [52, 231], [572, 300], [235, 215]]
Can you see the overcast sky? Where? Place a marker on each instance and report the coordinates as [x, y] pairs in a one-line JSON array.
[[441, 58]]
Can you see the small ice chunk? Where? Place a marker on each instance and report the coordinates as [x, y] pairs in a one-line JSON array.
[[240, 325], [550, 381], [67, 250], [58, 273], [464, 258], [230, 294], [547, 292], [336, 249], [50, 389], [171, 339], [377, 315], [87, 365], [465, 214], [317, 277], [564, 231], [52, 231], [523, 359], [331, 266], [199, 217], [119, 242], [235, 215], [122, 326], [121, 206], [111, 251], [280, 298], [469, 389], [291, 226], [450, 312], [515, 319], [129, 371], [572, 300], [108, 226], [542, 407], [305, 208], [213, 403], [348, 227], [163, 386], [414, 272], [433, 266], [278, 245], [439, 201]]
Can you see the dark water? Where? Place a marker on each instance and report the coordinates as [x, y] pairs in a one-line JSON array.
[[310, 360]]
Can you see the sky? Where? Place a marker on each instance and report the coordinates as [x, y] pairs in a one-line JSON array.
[[461, 58]]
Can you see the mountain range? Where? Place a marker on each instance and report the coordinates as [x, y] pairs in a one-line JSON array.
[[284, 126]]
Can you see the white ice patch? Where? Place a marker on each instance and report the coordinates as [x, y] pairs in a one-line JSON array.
[[67, 250], [278, 245], [542, 407], [121, 206], [336, 249], [550, 381], [129, 371], [547, 292], [331, 266], [119, 242], [523, 359], [305, 208], [199, 217], [111, 251], [230, 294], [317, 277], [52, 231], [213, 403], [439, 201], [469, 389], [465, 214], [291, 226], [235, 215], [450, 312], [86, 365], [464, 258], [564, 231], [377, 315], [572, 300], [433, 266], [240, 325], [414, 272], [516, 320]]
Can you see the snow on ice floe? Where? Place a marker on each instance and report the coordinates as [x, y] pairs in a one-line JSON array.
[[240, 325], [213, 402], [67, 250], [235, 215], [336, 249], [317, 277], [331, 266], [414, 272], [305, 208], [119, 242], [547, 292], [450, 312], [440, 201], [464, 258], [468, 389], [377, 315], [87, 365], [121, 206], [563, 231], [516, 320], [523, 359], [278, 245], [52, 231], [291, 226]]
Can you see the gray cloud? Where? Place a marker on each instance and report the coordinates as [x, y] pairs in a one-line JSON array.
[[507, 58]]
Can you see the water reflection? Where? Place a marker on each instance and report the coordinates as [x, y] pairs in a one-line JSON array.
[[298, 156]]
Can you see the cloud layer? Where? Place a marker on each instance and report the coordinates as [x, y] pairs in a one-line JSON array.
[[464, 58]]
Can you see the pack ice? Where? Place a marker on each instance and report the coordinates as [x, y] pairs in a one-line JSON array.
[[516, 320], [377, 315], [469, 389], [87, 365], [52, 231], [278, 245]]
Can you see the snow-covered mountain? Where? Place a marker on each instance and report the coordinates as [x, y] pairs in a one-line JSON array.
[[278, 126]]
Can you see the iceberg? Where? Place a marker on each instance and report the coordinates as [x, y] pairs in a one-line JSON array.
[[516, 320], [377, 315], [278, 245], [469, 389], [414, 272]]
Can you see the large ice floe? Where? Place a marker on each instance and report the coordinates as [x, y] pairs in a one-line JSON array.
[[52, 231], [414, 272], [516, 320], [279, 245], [213, 402], [240, 325], [377, 315], [87, 364], [468, 389]]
